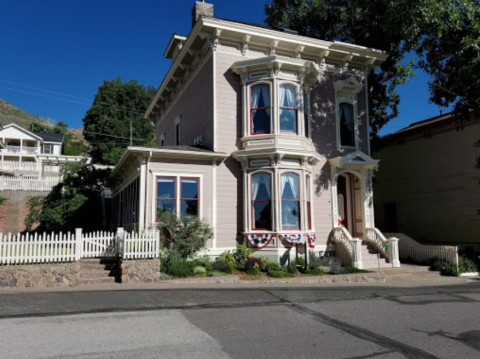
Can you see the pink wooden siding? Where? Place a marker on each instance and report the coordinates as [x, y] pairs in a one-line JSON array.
[[195, 108], [229, 103], [322, 201], [192, 169]]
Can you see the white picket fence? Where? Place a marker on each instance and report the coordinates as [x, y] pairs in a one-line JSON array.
[[10, 183], [34, 248], [408, 247], [68, 247]]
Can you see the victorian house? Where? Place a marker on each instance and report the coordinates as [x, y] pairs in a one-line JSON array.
[[263, 133]]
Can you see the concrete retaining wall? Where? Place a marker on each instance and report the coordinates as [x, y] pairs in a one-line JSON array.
[[40, 275]]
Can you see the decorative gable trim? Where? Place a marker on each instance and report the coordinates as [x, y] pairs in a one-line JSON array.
[[349, 85]]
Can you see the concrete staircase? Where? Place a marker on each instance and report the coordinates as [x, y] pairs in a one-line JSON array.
[[370, 259], [409, 271], [99, 270]]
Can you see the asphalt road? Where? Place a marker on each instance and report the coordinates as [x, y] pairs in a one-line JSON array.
[[346, 322]]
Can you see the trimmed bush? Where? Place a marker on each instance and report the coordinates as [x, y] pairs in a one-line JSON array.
[[280, 274], [274, 266], [324, 269], [199, 271]]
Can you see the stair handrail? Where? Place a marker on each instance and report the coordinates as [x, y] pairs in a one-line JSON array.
[[342, 236], [387, 247]]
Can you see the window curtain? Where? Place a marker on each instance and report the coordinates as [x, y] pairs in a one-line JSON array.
[[257, 180], [287, 96], [261, 91], [292, 180]]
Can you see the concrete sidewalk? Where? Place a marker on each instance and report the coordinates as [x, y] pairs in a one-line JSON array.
[[243, 284]]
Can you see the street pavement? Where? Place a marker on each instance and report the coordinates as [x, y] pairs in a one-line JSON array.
[[292, 322]]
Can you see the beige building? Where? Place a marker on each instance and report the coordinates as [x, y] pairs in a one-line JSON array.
[[263, 133], [427, 185]]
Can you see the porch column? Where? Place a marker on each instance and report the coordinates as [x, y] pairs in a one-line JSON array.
[[357, 253], [214, 202], [142, 204], [393, 251], [368, 197]]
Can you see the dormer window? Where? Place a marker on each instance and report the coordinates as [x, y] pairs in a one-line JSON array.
[[288, 108], [347, 125], [260, 109]]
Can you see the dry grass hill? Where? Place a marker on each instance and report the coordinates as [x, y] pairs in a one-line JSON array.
[[11, 114]]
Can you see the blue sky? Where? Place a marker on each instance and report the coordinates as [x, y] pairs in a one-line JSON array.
[[70, 47]]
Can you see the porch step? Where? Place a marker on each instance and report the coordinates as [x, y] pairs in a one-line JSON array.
[[370, 259], [99, 270], [408, 271]]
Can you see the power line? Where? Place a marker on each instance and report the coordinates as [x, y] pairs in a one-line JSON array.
[[125, 138]]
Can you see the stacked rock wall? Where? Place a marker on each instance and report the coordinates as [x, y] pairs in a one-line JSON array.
[[40, 275]]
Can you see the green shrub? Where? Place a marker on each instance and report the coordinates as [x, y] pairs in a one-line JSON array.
[[280, 274], [313, 272], [227, 257], [292, 268], [274, 266], [223, 267], [252, 262], [324, 269], [165, 276], [199, 271], [255, 270], [187, 235], [178, 266], [445, 268], [216, 274], [466, 265], [242, 253], [351, 270], [300, 262], [314, 261]]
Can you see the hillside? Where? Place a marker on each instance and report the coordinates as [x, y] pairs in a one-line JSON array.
[[11, 114]]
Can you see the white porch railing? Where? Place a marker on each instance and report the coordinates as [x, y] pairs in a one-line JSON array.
[[62, 248], [410, 248], [21, 150], [15, 166], [387, 247], [10, 183], [51, 169], [353, 245]]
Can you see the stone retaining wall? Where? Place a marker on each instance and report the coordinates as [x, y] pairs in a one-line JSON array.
[[40, 275], [140, 270]]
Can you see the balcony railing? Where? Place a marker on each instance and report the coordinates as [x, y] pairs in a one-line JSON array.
[[17, 166], [21, 150]]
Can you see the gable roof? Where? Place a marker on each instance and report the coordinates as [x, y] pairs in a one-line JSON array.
[[50, 137], [21, 129]]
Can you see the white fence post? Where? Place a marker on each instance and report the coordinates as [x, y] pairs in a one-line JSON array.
[[357, 253], [394, 254], [78, 243], [121, 242]]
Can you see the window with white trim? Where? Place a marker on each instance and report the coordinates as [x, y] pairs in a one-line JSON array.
[[290, 191], [287, 97], [347, 124], [171, 188], [47, 148], [260, 122], [261, 201]]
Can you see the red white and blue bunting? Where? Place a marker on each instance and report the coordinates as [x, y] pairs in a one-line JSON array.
[[293, 238], [259, 240], [312, 238]]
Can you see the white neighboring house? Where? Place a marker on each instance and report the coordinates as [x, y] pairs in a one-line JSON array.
[[31, 157]]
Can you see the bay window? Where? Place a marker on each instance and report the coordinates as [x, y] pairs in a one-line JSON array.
[[347, 125], [260, 109], [306, 126], [261, 201], [288, 108], [290, 201]]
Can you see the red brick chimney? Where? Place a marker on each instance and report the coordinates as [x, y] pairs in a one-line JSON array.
[[201, 8]]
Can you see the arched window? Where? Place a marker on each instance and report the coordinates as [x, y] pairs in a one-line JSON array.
[[261, 201], [288, 108], [290, 201], [309, 202], [347, 125], [259, 109]]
